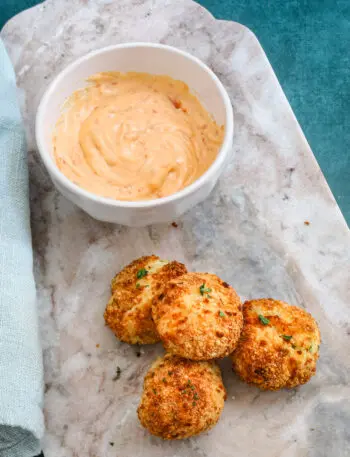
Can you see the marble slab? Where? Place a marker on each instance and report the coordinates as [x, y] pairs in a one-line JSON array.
[[252, 232]]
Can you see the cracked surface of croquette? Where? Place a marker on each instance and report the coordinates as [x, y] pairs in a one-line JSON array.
[[181, 398], [279, 345], [198, 316], [128, 312]]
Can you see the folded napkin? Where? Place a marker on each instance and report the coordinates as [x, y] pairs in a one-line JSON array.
[[21, 418]]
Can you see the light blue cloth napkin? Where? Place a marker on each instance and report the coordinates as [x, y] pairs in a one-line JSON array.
[[21, 418]]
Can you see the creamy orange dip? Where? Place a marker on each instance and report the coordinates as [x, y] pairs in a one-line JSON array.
[[135, 136]]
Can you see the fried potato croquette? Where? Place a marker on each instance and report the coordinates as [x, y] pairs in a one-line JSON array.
[[198, 317], [181, 398], [128, 312], [279, 345]]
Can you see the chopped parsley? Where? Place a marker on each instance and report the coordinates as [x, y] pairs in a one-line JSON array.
[[190, 385], [170, 373], [164, 380], [204, 290], [222, 314], [287, 337], [194, 403], [195, 396], [138, 285], [264, 319], [310, 348], [155, 392], [141, 273]]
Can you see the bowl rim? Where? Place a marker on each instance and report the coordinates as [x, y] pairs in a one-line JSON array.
[[50, 163]]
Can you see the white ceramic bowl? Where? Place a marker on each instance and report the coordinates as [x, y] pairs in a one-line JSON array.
[[149, 58]]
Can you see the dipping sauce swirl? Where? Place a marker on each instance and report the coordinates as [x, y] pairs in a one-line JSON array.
[[135, 136]]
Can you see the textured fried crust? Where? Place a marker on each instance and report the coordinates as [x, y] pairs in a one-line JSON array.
[[198, 317], [128, 312], [181, 398], [280, 353]]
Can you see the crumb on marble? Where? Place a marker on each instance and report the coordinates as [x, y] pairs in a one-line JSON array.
[[97, 345], [174, 224], [111, 443], [306, 223], [117, 375]]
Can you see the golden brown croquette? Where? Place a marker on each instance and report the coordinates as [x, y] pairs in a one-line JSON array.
[[128, 312], [198, 316], [181, 398], [278, 347]]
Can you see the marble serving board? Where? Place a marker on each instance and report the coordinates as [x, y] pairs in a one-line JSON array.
[[271, 228]]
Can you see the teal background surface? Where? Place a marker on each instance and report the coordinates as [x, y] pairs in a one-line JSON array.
[[307, 43]]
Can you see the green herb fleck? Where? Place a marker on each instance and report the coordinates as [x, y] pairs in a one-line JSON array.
[[164, 380], [170, 373], [141, 273], [310, 348], [287, 337], [155, 392], [293, 346], [264, 319], [147, 285], [138, 285], [194, 403], [222, 314], [195, 396], [190, 385], [204, 290]]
